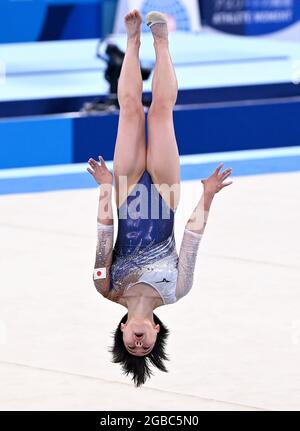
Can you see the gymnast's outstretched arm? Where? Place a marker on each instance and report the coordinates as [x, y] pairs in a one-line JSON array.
[[195, 228], [105, 227]]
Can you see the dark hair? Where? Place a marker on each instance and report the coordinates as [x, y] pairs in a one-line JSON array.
[[139, 366]]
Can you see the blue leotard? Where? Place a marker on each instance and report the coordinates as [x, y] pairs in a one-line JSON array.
[[144, 219]]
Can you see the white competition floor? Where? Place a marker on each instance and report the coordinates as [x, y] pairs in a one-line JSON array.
[[235, 339]]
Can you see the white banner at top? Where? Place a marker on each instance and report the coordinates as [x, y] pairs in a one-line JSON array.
[[183, 15]]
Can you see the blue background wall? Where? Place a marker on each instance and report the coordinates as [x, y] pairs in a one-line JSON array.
[[38, 20], [249, 17], [35, 142], [60, 140]]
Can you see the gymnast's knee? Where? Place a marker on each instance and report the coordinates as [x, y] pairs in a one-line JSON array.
[[131, 106], [161, 107]]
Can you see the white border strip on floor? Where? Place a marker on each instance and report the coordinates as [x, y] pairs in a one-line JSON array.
[[196, 159]]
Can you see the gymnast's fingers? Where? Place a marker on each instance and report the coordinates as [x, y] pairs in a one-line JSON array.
[[93, 163], [228, 183], [226, 174], [90, 171], [217, 171], [102, 161]]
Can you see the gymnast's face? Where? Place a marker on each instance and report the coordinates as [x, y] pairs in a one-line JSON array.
[[139, 336]]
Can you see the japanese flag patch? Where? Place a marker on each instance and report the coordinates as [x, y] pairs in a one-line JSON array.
[[99, 273]]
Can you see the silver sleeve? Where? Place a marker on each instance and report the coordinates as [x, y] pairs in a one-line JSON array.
[[104, 249], [105, 239], [186, 262]]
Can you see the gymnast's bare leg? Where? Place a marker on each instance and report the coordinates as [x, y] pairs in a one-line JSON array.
[[162, 152], [130, 150]]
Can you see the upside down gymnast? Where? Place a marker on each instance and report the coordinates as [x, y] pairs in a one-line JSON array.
[[143, 271]]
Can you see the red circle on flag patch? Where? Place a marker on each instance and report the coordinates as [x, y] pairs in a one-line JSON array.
[[99, 273]]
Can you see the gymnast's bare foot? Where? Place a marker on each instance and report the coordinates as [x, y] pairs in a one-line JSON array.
[[133, 21]]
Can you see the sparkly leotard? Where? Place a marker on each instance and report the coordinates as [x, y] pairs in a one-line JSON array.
[[145, 249]]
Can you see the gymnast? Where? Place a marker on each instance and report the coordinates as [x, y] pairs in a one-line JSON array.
[[143, 271]]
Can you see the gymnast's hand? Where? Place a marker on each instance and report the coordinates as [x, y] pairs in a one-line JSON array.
[[100, 171], [216, 181]]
